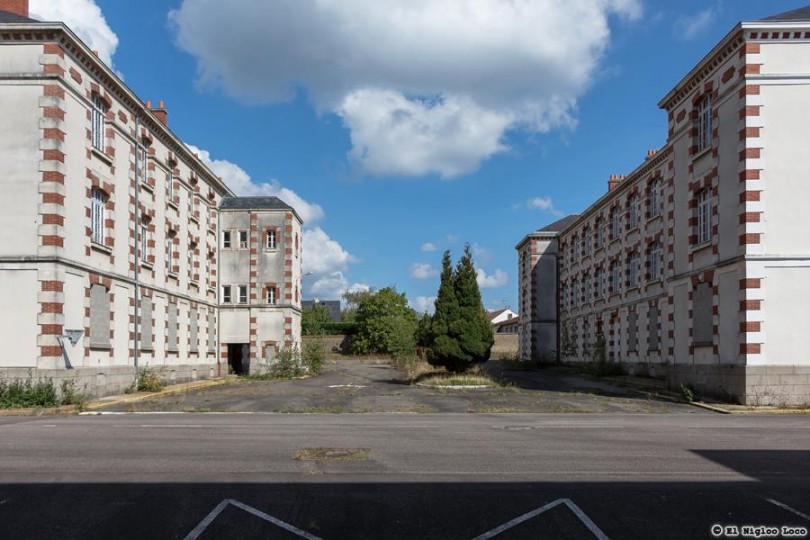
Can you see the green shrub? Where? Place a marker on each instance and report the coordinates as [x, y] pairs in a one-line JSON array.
[[288, 365], [72, 395], [313, 355], [150, 379], [25, 393], [688, 393]]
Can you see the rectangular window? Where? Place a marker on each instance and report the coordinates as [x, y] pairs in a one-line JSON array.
[[616, 277], [656, 198], [171, 328], [97, 203], [243, 297], [193, 331], [271, 295], [635, 269], [97, 122], [702, 319], [212, 332], [169, 253], [169, 186], [704, 217], [190, 203], [99, 316], [617, 224], [243, 239], [140, 153], [271, 239], [226, 294], [226, 239], [145, 327], [604, 283], [653, 329], [634, 211], [600, 234], [143, 241], [656, 261], [632, 331], [704, 133]]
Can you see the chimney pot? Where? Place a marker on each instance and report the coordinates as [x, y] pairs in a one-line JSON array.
[[159, 112], [613, 181], [17, 7]]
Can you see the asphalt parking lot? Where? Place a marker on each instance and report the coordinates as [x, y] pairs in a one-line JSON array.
[[369, 386]]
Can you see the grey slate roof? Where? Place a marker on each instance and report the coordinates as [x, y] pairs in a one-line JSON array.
[[559, 225], [253, 203], [6, 17], [801, 14]]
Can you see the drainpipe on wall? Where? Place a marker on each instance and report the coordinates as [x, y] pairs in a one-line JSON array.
[[137, 247], [216, 295]]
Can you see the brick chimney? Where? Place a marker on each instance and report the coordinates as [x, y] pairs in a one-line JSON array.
[[160, 112], [613, 181], [651, 153], [17, 7]]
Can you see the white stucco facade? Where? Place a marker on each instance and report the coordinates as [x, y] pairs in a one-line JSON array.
[[110, 227], [695, 265]]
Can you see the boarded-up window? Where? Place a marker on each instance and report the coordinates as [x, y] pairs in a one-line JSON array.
[[146, 323], [171, 328], [702, 330], [193, 330], [632, 331], [654, 329], [212, 332], [99, 317]]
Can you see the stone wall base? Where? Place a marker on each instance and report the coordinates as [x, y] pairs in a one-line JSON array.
[[747, 385], [111, 380]]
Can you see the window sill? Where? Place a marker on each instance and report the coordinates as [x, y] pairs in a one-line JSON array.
[[654, 281], [148, 348], [147, 265], [195, 219], [147, 186], [271, 249], [700, 247], [100, 154], [101, 248], [173, 205], [701, 153], [702, 344], [653, 218], [100, 346], [195, 284], [173, 275]]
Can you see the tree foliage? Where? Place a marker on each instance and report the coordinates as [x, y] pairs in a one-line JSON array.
[[351, 300], [313, 320], [385, 324], [460, 332]]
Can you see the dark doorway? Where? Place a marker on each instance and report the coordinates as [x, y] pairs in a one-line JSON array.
[[238, 358]]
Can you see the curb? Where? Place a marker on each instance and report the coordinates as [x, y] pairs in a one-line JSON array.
[[708, 407], [170, 390]]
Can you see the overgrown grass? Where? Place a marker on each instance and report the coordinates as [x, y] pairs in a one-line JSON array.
[[424, 374], [151, 379], [294, 362], [41, 393]]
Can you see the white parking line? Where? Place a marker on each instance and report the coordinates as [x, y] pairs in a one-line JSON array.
[[200, 528], [788, 508], [588, 522]]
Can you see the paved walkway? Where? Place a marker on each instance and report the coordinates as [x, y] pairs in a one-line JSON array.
[[363, 386]]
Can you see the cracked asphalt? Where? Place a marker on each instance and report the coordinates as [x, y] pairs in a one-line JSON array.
[[374, 386]]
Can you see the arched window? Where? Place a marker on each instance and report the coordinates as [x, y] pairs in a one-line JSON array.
[[99, 113]]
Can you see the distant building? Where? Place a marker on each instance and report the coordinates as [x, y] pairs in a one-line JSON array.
[[509, 326], [696, 266], [500, 315], [332, 306]]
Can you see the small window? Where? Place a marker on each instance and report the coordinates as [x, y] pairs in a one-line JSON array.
[[617, 224], [243, 294], [616, 276], [656, 198], [98, 115], [704, 216], [226, 294], [271, 239], [191, 203], [271, 295], [633, 213], [141, 155], [226, 239], [97, 202], [143, 240], [243, 239], [169, 186], [170, 253], [634, 269], [600, 234], [656, 260], [704, 131]]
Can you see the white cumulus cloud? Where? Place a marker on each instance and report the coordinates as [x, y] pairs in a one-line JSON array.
[[423, 271], [85, 18], [331, 286], [428, 246], [424, 86], [544, 204], [423, 304], [492, 281], [689, 26], [236, 178], [322, 254]]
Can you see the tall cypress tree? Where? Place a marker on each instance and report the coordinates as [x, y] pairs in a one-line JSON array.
[[460, 333]]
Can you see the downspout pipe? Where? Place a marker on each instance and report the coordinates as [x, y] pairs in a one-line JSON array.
[[138, 241]]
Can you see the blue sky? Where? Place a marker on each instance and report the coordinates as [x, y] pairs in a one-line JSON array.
[[397, 127]]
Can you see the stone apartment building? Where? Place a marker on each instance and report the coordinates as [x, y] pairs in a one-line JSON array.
[[111, 239], [696, 265]]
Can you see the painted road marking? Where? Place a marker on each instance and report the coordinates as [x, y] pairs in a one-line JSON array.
[[199, 529], [588, 522], [788, 508], [346, 386]]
